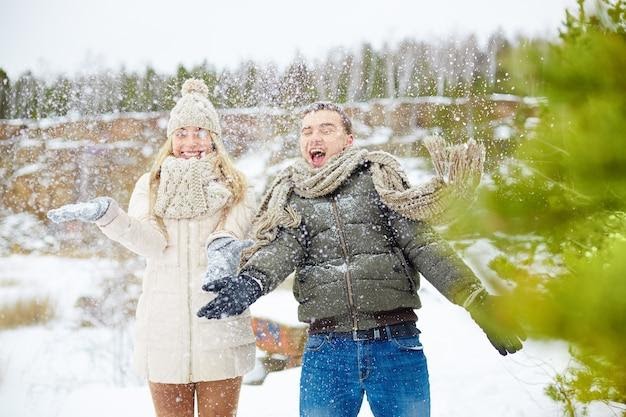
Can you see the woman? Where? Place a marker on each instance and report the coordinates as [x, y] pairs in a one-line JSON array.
[[192, 196]]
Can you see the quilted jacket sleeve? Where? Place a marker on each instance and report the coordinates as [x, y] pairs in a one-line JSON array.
[[137, 230], [435, 259], [273, 263]]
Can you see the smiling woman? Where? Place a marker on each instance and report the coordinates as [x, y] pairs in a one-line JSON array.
[[192, 197]]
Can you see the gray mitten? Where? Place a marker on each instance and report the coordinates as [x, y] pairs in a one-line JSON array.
[[223, 257], [89, 211]]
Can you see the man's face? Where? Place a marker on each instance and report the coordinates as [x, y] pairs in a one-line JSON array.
[[322, 135]]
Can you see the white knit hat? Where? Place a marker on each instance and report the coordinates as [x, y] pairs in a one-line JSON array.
[[194, 109]]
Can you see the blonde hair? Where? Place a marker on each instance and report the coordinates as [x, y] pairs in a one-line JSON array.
[[234, 179]]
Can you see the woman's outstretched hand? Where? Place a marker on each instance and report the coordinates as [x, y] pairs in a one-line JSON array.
[[223, 257], [88, 211]]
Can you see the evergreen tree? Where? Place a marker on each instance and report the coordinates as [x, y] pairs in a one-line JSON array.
[[109, 91], [172, 87], [383, 81], [5, 88], [268, 82], [27, 96], [343, 81], [297, 87], [368, 73], [228, 92], [149, 92], [56, 102], [566, 191], [251, 92], [129, 94]]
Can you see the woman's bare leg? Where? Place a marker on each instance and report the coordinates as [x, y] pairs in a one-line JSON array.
[[218, 398], [172, 400]]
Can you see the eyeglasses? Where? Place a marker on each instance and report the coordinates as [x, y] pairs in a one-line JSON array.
[[200, 133]]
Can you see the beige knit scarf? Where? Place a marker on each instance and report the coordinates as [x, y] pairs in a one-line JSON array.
[[190, 188], [458, 171]]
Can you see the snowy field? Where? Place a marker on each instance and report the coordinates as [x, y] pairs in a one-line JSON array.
[[62, 369]]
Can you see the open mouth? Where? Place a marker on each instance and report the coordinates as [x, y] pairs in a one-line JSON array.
[[192, 154], [317, 157]]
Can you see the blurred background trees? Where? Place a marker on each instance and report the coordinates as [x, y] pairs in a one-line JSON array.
[[452, 68]]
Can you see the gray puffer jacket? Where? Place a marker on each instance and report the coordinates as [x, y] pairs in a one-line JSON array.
[[355, 258]]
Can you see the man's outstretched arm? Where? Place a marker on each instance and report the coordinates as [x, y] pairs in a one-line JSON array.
[[435, 259]]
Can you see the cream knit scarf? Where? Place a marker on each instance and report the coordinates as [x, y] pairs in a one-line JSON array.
[[458, 171], [189, 188]]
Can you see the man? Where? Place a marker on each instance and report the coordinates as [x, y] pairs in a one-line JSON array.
[[348, 223]]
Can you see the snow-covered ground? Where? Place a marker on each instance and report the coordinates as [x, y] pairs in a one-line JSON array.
[[62, 369]]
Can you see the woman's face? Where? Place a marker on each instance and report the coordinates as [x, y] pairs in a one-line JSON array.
[[191, 142]]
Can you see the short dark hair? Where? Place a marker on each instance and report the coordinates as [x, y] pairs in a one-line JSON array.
[[325, 105]]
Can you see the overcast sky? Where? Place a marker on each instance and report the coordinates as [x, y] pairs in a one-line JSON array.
[[53, 36]]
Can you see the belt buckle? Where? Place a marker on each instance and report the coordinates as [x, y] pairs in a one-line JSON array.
[[356, 338]]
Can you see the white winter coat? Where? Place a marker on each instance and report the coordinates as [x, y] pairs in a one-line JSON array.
[[173, 345]]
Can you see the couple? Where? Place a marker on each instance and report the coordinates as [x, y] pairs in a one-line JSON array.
[[345, 219]]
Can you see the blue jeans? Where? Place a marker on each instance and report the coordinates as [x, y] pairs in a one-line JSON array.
[[337, 371]]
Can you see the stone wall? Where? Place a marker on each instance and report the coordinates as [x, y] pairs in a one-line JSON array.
[[47, 163]]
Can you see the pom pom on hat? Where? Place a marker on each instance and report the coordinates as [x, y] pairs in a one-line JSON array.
[[194, 109], [193, 85]]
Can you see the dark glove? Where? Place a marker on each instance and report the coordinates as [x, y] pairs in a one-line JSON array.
[[89, 211], [501, 328], [234, 295]]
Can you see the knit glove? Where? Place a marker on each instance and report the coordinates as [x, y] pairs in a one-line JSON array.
[[89, 211], [502, 330], [234, 296], [223, 257]]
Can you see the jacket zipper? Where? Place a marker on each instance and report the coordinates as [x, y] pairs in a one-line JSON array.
[[189, 304], [347, 274], [407, 270]]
